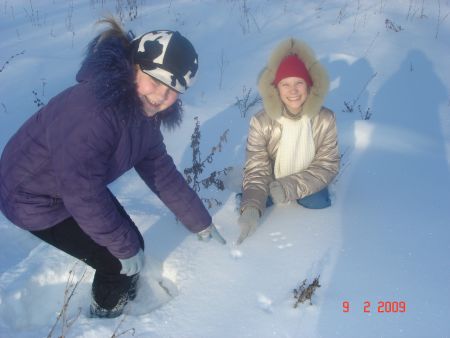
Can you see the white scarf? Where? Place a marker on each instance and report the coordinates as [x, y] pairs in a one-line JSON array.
[[296, 149]]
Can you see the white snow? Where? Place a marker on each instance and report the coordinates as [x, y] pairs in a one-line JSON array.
[[386, 238]]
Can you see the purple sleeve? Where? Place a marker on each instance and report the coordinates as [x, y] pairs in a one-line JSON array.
[[160, 174], [80, 150]]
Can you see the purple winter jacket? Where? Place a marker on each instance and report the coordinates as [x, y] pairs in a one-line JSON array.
[[59, 163]]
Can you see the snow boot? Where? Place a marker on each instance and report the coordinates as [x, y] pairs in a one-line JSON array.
[[133, 287], [97, 311]]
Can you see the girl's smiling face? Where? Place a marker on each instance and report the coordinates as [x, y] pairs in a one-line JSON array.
[[293, 92], [154, 95]]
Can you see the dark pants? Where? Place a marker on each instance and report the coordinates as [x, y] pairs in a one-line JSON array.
[[109, 286], [318, 200]]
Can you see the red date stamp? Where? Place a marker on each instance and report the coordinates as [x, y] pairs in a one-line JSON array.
[[380, 307]]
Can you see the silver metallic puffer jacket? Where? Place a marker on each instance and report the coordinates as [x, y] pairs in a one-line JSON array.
[[262, 145], [265, 134]]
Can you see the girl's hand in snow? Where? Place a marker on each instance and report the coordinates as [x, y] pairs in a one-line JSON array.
[[211, 232], [248, 222]]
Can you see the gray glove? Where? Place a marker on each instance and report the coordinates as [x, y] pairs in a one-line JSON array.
[[211, 232], [248, 221], [132, 265], [277, 192]]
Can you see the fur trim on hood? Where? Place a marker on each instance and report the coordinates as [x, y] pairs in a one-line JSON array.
[[107, 68], [269, 93]]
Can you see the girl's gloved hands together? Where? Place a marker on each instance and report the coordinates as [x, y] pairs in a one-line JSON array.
[[248, 222], [132, 265], [211, 232]]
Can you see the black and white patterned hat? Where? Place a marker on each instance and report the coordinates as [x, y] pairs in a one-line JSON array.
[[167, 56]]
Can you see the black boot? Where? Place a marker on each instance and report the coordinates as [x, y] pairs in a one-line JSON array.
[[96, 311], [107, 294], [133, 287]]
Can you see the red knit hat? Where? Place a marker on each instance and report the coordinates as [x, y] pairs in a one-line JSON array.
[[292, 65]]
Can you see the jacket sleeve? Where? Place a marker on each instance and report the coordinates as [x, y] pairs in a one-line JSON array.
[[160, 174], [258, 172], [80, 152], [324, 166]]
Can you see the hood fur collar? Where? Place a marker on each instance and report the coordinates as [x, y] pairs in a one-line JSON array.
[[269, 93]]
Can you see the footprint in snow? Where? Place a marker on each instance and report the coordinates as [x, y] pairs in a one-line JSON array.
[[280, 240]]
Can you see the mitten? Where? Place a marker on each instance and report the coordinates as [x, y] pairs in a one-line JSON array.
[[132, 265], [277, 192], [248, 222], [211, 232]]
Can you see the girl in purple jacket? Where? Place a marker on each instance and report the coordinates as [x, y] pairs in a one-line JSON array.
[[55, 171]]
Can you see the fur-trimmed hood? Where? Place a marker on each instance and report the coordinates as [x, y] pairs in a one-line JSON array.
[[269, 93], [108, 69]]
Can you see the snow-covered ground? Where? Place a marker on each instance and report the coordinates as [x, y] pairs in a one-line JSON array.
[[386, 238]]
